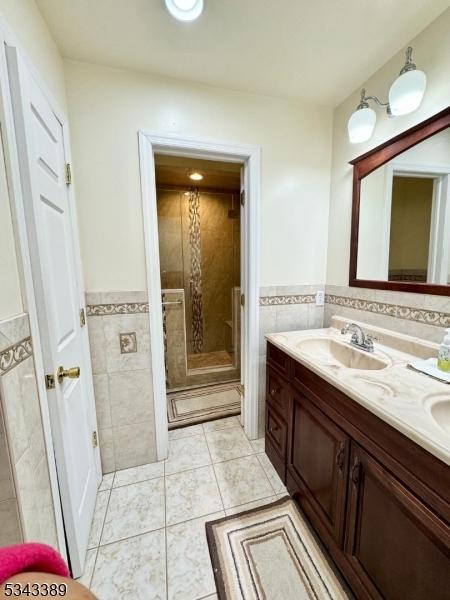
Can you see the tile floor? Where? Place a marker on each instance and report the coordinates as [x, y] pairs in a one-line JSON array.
[[148, 536]]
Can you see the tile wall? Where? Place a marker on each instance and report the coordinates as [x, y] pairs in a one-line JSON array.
[[419, 315], [120, 351], [27, 489]]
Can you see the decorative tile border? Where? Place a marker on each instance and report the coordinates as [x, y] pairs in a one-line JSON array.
[[126, 308], [284, 300], [14, 355], [409, 313]]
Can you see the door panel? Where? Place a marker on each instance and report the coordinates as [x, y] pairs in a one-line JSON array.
[[393, 541], [57, 283], [318, 460]]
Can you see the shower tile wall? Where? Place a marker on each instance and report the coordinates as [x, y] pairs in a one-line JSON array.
[[25, 482], [120, 350], [220, 260]]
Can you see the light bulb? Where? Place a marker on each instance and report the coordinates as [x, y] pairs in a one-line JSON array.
[[196, 176], [185, 10]]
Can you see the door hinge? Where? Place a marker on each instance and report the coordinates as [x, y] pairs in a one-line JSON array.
[[243, 198], [68, 174], [242, 390], [50, 382], [94, 439], [82, 317], [242, 299]]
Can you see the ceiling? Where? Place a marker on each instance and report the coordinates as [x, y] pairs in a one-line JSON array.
[[317, 50], [174, 171]]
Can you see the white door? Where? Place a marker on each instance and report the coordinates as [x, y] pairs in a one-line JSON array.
[[56, 276]]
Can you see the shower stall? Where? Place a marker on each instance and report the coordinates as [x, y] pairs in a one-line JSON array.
[[199, 246]]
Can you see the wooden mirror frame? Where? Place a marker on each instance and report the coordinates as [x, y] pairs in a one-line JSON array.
[[363, 166]]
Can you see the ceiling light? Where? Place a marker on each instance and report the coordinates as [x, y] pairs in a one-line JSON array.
[[195, 176], [405, 96], [185, 10]]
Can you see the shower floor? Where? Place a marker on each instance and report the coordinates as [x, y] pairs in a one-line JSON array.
[[222, 358]]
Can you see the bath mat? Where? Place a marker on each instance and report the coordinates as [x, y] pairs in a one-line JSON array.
[[269, 553], [203, 404]]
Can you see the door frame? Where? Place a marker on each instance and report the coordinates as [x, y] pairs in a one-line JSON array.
[[206, 149], [24, 248]]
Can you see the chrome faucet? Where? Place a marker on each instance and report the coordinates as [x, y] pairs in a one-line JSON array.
[[358, 339]]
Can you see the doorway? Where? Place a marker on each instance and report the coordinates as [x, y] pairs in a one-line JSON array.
[[199, 233], [155, 150]]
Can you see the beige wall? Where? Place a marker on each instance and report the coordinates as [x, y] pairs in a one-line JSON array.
[[10, 295], [108, 106], [412, 200], [432, 54], [27, 23]]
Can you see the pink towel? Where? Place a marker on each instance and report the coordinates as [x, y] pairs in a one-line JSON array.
[[30, 557]]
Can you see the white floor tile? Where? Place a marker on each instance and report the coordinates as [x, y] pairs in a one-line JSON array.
[[242, 480], [272, 475], [99, 518], [187, 453], [134, 509], [250, 505], [189, 568], [258, 445], [107, 482], [182, 432], [192, 494], [221, 424], [228, 443], [89, 564], [132, 569], [138, 474]]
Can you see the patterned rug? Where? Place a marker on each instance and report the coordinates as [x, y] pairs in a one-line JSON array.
[[269, 553], [203, 404]]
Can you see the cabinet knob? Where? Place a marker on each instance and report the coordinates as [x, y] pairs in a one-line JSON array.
[[273, 428], [275, 390]]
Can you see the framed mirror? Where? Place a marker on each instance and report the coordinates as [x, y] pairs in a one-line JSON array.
[[400, 238]]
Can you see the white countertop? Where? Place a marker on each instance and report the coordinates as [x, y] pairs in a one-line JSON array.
[[401, 397]]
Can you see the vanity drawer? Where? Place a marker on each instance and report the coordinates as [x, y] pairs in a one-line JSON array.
[[278, 359], [277, 392]]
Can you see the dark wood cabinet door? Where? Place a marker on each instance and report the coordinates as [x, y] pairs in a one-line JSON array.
[[397, 547], [276, 440], [318, 461]]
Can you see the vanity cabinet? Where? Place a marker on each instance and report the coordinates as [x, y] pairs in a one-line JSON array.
[[379, 503], [396, 545]]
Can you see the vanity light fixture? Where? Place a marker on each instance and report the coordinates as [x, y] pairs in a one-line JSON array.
[[195, 176], [405, 96], [185, 10]]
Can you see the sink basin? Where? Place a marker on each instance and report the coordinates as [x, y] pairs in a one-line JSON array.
[[329, 351], [440, 411]]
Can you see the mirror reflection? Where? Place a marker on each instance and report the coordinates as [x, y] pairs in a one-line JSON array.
[[404, 219]]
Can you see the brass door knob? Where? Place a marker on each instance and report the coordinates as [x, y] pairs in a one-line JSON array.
[[72, 373]]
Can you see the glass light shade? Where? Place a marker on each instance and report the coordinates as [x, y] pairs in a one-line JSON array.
[[196, 176], [406, 92], [361, 125], [185, 10]]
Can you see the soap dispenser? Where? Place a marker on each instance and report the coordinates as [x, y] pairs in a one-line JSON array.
[[443, 362]]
